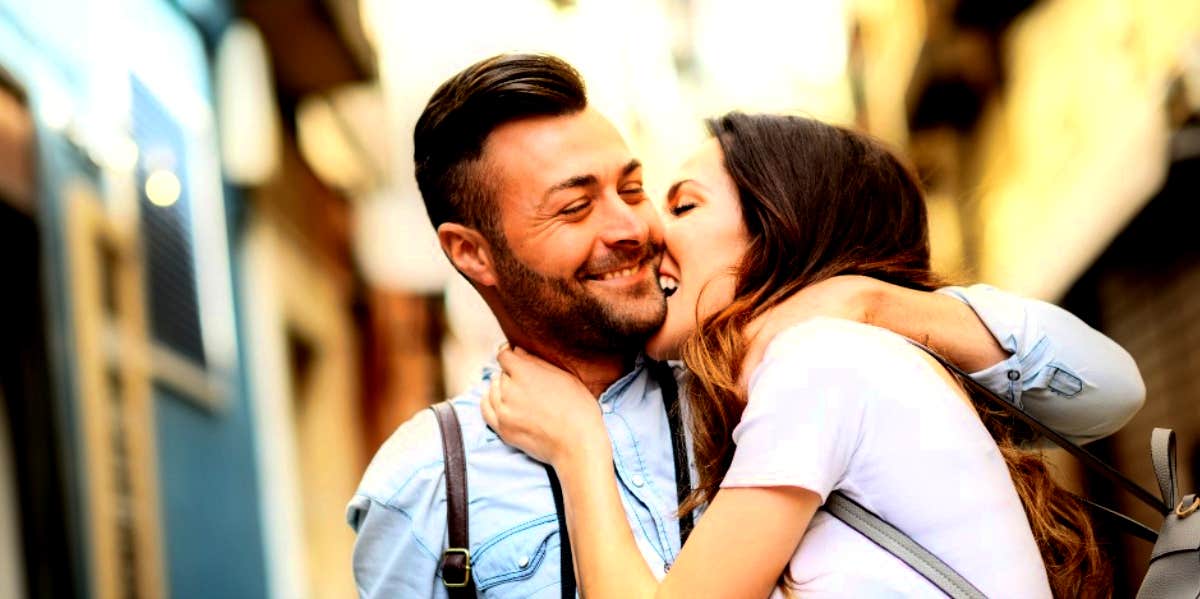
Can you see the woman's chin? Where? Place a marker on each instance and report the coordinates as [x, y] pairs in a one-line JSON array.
[[660, 347]]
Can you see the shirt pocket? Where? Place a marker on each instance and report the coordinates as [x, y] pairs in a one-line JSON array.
[[521, 562]]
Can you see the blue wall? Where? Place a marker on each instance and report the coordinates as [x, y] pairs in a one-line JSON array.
[[207, 470], [209, 500]]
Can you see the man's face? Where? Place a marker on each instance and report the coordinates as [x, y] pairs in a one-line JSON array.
[[583, 241]]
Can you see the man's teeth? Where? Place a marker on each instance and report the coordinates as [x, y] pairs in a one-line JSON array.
[[616, 274], [668, 284]]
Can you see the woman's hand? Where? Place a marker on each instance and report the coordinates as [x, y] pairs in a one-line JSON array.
[[543, 410]]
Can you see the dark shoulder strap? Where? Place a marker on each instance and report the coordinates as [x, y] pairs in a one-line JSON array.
[[1083, 455], [565, 559], [945, 578], [683, 472], [456, 559], [683, 477]]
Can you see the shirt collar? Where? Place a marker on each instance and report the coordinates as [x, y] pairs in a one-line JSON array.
[[609, 396]]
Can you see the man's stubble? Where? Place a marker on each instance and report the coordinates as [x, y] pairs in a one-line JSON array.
[[563, 310]]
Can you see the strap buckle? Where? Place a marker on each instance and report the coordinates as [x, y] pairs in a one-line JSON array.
[[466, 553], [1184, 512]]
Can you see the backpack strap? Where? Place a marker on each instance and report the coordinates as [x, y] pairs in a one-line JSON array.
[[1084, 456], [456, 559], [1162, 454], [895, 542], [945, 578]]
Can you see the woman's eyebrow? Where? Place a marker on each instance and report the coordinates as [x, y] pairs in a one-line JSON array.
[[674, 189]]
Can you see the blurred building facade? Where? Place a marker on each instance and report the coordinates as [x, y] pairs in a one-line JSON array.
[[1058, 142], [184, 391], [224, 293]]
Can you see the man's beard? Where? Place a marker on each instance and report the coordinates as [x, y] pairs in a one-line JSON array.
[[565, 313]]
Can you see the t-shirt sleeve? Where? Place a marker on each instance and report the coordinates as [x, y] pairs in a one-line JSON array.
[[804, 417]]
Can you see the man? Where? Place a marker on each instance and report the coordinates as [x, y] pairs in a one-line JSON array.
[[537, 201]]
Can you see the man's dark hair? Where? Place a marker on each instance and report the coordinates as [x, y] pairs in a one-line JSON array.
[[449, 137]]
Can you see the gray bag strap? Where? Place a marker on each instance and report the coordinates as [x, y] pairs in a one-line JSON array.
[[1162, 455], [894, 541], [1174, 571]]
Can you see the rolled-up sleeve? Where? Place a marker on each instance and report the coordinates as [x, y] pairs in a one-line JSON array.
[[1068, 375]]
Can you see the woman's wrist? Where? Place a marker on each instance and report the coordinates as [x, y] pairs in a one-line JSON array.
[[584, 450]]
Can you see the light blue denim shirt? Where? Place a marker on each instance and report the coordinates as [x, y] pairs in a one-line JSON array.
[[1061, 370], [399, 511]]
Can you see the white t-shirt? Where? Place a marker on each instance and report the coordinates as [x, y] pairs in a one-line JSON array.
[[838, 405]]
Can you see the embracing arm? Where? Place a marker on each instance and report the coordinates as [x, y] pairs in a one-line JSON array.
[[1070, 376], [1037, 355], [737, 550], [734, 551]]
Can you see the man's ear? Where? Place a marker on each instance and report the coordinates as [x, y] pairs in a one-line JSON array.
[[469, 251]]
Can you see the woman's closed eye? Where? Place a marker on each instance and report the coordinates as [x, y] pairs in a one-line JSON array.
[[680, 208]]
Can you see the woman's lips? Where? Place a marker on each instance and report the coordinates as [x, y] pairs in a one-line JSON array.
[[668, 275], [668, 284]]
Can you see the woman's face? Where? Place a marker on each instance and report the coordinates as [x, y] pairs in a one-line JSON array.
[[705, 238]]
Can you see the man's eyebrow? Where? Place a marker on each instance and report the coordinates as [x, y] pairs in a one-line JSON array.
[[587, 180], [571, 183]]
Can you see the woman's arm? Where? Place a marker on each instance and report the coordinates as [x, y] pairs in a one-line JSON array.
[[1070, 376], [738, 549], [1039, 356], [940, 322]]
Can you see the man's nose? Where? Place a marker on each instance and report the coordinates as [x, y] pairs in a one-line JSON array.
[[623, 224]]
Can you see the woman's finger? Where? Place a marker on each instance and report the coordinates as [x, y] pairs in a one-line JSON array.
[[530, 359], [508, 359], [485, 406]]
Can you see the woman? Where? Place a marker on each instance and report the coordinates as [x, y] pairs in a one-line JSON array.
[[782, 416]]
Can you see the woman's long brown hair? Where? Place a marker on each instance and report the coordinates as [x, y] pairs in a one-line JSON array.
[[820, 201]]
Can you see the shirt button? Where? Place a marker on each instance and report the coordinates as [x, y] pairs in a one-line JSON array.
[[523, 562], [637, 480], [1014, 375], [606, 408], [667, 567]]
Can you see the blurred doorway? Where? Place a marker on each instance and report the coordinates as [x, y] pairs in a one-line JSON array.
[[304, 373], [35, 559]]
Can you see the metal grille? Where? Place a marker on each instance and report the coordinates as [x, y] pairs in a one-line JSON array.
[[166, 230]]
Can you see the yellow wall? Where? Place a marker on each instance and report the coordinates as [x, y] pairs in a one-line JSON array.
[[1078, 142]]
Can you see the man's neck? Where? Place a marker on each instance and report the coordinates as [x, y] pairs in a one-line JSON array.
[[596, 374], [597, 370]]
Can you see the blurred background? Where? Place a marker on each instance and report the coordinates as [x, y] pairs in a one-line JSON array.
[[221, 292]]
